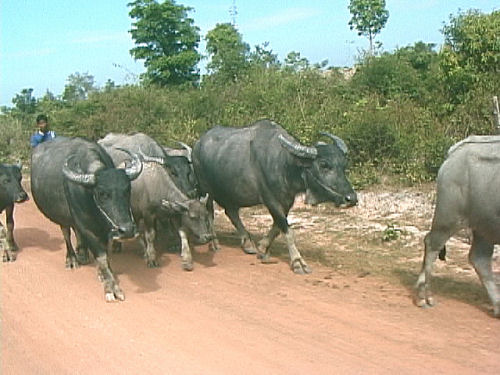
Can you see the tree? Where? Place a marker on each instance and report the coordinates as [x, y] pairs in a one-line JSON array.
[[295, 62], [166, 39], [79, 87], [25, 102], [262, 56], [471, 52], [368, 18], [228, 53]]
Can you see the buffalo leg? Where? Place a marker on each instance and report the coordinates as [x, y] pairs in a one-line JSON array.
[[246, 242], [214, 243], [434, 242], [186, 257], [265, 243], [480, 256], [11, 244], [82, 249], [149, 238], [71, 259], [112, 292], [297, 263], [8, 256]]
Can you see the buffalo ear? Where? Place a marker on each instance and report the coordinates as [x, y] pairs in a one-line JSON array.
[[173, 207]]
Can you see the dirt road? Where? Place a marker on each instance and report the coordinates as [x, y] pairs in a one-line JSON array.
[[231, 315]]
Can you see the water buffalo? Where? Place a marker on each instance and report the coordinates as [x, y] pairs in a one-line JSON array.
[[181, 166], [11, 192], [263, 164], [75, 184], [466, 198], [156, 196]]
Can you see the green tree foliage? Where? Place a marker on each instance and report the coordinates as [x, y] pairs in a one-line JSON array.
[[25, 102], [395, 114], [262, 56], [408, 72], [166, 39], [471, 52], [227, 52], [368, 18], [79, 87]]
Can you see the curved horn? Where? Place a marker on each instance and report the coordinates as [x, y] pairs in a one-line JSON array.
[[151, 159], [188, 149], [339, 142], [135, 168], [204, 200], [297, 149], [86, 179]]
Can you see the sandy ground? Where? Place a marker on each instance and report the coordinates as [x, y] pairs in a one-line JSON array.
[[231, 315]]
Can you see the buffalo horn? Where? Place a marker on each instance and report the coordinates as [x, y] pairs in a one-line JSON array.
[[151, 159], [188, 149], [87, 179], [339, 142], [297, 149], [135, 168], [204, 199]]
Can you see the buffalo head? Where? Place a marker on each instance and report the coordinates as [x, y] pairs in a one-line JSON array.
[[194, 216], [324, 168], [110, 189], [10, 183]]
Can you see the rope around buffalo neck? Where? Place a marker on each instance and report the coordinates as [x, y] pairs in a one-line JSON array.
[[329, 190], [113, 225]]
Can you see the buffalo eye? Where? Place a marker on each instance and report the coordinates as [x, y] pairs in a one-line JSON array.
[[323, 164], [173, 172], [102, 196]]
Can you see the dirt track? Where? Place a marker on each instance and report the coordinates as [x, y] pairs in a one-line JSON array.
[[231, 315]]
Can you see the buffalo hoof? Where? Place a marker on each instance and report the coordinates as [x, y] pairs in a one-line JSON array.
[[116, 247], [9, 256], [300, 267], [83, 258], [266, 258], [152, 263], [72, 262], [496, 311], [249, 248], [115, 296], [424, 302], [187, 266], [215, 247]]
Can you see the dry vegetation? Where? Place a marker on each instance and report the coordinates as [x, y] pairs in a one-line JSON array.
[[382, 237]]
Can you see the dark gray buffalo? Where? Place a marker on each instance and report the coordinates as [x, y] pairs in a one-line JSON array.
[[155, 196], [181, 163], [11, 192], [466, 198], [263, 164], [76, 185]]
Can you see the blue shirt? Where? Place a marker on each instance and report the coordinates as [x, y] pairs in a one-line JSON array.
[[40, 137]]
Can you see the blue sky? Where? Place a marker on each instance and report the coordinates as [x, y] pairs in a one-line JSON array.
[[42, 42]]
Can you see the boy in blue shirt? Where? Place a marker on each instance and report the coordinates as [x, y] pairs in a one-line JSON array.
[[44, 133]]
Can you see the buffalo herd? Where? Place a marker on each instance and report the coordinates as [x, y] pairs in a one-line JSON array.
[[128, 186]]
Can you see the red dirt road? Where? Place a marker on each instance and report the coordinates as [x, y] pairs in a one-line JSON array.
[[231, 315]]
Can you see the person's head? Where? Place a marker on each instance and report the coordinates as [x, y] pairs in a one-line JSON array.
[[43, 123]]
